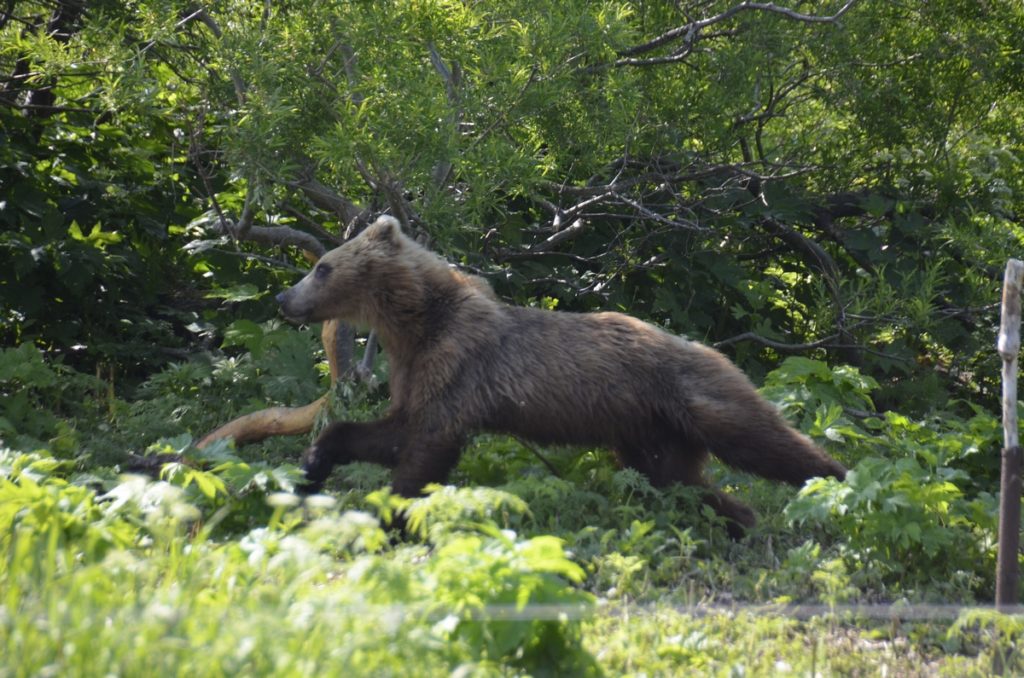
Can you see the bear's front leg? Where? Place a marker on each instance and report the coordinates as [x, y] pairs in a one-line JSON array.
[[377, 442], [427, 460]]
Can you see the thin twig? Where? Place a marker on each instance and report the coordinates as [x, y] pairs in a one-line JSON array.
[[536, 453], [249, 256]]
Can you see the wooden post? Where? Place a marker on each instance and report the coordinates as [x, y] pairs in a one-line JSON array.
[[1007, 575]]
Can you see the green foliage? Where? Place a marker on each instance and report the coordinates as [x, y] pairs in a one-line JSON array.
[[430, 518], [800, 385], [997, 634], [88, 208], [489, 571], [666, 640], [905, 524], [909, 516], [303, 596], [199, 394], [283, 357], [214, 478], [33, 393], [49, 526], [797, 181]]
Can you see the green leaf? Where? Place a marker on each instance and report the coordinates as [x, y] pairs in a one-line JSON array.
[[209, 484], [242, 292], [243, 332]]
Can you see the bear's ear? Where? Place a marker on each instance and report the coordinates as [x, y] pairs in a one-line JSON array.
[[385, 229]]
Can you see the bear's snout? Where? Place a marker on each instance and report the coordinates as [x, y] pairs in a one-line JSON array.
[[291, 306]]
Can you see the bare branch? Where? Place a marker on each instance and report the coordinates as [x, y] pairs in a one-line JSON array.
[[248, 213], [674, 58], [284, 236], [322, 232], [571, 215], [690, 32], [8, 15], [779, 346], [544, 460], [394, 193], [278, 236], [326, 199], [351, 74], [451, 76], [694, 172], [654, 216], [798, 16], [834, 342], [273, 421], [44, 108], [151, 464], [452, 79], [364, 370], [573, 230]]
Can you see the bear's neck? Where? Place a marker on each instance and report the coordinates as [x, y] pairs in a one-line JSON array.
[[410, 313]]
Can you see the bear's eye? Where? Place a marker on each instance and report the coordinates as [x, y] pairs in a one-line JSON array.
[[321, 271]]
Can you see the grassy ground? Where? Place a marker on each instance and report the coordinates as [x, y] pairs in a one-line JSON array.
[[138, 581]]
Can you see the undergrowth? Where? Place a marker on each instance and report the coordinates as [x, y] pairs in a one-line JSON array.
[[540, 561]]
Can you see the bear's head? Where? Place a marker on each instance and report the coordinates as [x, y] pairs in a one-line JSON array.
[[344, 280]]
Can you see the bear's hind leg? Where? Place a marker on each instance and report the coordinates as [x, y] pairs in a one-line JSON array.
[[686, 466], [738, 516]]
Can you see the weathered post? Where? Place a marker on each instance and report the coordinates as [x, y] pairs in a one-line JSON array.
[[1007, 575]]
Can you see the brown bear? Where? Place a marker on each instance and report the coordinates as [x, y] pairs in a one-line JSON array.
[[463, 362]]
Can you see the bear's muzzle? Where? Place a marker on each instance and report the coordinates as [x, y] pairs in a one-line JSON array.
[[290, 308]]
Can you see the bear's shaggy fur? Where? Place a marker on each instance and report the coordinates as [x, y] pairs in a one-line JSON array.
[[462, 362]]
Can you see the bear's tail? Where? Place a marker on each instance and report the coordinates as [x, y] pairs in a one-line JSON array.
[[752, 436]]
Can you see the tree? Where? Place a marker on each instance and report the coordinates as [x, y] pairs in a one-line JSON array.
[[838, 179]]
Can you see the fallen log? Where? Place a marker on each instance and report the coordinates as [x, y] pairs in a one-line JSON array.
[[272, 421], [281, 421]]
